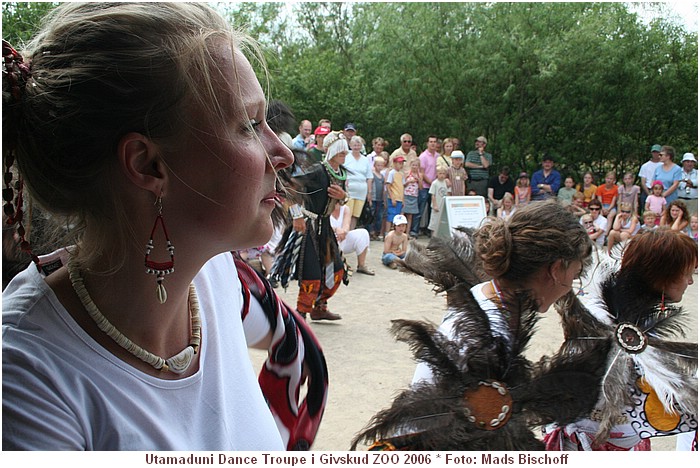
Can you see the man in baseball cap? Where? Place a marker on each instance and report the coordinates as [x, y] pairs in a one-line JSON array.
[[316, 151], [349, 130], [477, 163]]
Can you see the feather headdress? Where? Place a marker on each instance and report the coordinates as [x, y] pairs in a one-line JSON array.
[[639, 329], [485, 394]]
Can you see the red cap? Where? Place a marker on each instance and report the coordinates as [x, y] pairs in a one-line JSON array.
[[322, 131], [399, 159]]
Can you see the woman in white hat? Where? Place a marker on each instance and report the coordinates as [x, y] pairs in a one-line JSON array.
[[310, 250]]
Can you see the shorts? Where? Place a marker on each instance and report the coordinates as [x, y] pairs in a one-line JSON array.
[[355, 206], [410, 204], [392, 211]]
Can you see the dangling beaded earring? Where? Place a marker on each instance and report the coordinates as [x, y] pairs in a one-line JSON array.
[[663, 302], [160, 269]]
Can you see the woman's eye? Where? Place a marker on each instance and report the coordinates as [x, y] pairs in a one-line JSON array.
[[254, 125]]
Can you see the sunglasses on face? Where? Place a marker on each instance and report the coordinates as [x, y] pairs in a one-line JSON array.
[[594, 208], [406, 141], [623, 211]]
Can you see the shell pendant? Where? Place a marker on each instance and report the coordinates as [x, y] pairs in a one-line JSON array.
[[181, 361], [161, 293]]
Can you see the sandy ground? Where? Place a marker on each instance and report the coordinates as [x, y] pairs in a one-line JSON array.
[[367, 367]]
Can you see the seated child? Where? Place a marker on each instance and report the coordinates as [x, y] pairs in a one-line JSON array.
[[648, 220], [395, 242], [576, 207]]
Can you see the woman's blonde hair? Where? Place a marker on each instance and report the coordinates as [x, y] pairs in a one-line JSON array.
[[537, 234], [99, 71]]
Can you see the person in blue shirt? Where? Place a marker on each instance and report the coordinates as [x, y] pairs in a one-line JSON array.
[[669, 173], [545, 183], [302, 140]]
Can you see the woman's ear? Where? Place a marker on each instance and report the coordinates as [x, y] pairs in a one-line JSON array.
[[141, 163], [554, 270]]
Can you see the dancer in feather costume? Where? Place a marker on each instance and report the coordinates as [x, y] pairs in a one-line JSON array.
[[473, 388], [649, 387], [310, 251]]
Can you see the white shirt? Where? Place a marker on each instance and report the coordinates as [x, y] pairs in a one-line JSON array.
[[496, 319], [693, 176], [359, 170], [647, 171], [63, 391]]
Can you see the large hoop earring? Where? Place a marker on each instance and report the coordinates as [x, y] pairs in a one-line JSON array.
[[160, 269]]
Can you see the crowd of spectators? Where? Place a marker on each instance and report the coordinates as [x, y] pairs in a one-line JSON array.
[[613, 209]]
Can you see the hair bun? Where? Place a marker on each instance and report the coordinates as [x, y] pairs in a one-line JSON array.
[[495, 244]]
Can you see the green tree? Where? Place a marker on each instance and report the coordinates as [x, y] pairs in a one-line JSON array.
[[590, 82], [20, 20]]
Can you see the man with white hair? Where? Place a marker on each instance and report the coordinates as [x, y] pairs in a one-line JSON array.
[[404, 150]]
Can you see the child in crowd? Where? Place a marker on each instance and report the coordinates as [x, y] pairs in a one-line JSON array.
[[649, 221], [594, 232], [625, 226], [676, 216], [628, 192], [607, 194], [410, 190], [588, 188], [378, 194], [522, 190], [656, 201], [599, 221], [693, 228], [576, 206], [394, 191], [438, 191], [507, 206], [395, 243], [566, 193], [457, 175]]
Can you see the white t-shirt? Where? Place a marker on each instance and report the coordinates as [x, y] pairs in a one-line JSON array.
[[359, 170], [602, 223], [647, 171], [499, 326], [63, 391]]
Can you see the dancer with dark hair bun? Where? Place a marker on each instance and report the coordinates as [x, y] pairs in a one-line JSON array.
[[473, 389]]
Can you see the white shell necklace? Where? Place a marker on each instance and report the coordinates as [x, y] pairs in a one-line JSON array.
[[176, 364]]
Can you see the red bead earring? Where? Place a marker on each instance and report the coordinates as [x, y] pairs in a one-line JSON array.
[[160, 269]]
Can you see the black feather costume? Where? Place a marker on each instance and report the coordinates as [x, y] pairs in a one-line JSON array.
[[643, 360], [485, 394]]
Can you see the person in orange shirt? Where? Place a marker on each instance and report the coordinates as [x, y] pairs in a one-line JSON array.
[[607, 195], [588, 188]]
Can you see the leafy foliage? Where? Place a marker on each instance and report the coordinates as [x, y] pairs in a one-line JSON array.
[[589, 82]]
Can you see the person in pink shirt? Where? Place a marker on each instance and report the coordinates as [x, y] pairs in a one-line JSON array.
[[428, 163], [656, 201]]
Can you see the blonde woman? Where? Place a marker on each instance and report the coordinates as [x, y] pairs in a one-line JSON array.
[[143, 127]]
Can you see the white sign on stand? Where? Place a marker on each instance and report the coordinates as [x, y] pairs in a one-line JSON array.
[[460, 211]]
